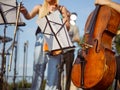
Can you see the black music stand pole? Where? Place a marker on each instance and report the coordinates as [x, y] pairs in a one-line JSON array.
[[3, 52], [4, 12]]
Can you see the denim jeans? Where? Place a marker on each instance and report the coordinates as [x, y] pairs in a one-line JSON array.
[[52, 74], [68, 60], [40, 60]]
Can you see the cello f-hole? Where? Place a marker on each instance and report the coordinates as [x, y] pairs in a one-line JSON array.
[[96, 48]]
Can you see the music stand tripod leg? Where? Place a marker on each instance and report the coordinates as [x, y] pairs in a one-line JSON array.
[[60, 70]]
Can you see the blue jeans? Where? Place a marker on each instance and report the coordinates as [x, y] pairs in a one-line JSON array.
[[52, 74], [40, 60]]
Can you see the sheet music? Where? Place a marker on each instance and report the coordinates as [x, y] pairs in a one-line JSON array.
[[9, 10], [55, 23]]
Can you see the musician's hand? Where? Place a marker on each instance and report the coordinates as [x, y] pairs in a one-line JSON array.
[[23, 10], [53, 8]]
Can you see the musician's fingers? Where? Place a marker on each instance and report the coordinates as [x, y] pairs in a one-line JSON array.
[[23, 9]]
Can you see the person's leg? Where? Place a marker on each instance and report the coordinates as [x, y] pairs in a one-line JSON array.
[[52, 75], [39, 64], [119, 83], [69, 58]]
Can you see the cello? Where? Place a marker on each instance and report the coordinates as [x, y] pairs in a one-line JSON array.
[[95, 67]]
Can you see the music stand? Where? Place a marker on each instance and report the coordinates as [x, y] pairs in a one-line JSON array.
[[56, 36], [55, 32], [8, 12], [8, 15]]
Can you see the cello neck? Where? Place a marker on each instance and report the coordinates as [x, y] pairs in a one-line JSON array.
[[93, 20]]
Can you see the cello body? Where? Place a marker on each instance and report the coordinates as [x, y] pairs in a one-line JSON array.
[[100, 64]]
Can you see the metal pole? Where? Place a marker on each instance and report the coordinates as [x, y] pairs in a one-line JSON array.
[[23, 68], [3, 62], [25, 62], [15, 60], [26, 55], [16, 28]]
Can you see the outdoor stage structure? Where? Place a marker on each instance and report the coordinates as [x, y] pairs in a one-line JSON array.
[[9, 15]]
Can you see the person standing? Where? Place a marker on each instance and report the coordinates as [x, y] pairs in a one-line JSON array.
[[69, 56], [41, 56]]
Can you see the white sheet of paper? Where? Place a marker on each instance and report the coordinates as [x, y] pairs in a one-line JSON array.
[[55, 22], [9, 10]]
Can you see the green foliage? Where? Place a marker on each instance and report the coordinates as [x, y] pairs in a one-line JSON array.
[[19, 85], [117, 41], [43, 85], [110, 88], [26, 85], [81, 39]]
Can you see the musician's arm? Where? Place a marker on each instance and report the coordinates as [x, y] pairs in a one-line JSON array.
[[30, 15], [109, 3], [114, 5], [76, 37], [66, 17]]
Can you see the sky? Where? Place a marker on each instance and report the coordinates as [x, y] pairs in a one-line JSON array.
[[27, 33]]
